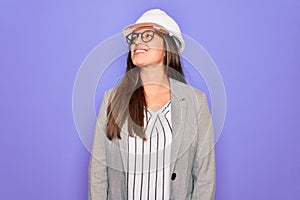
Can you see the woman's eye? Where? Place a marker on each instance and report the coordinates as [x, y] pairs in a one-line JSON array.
[[134, 37], [149, 36]]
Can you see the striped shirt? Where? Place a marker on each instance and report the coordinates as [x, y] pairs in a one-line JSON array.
[[149, 162]]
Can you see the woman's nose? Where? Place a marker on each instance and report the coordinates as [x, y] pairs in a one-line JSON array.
[[138, 39]]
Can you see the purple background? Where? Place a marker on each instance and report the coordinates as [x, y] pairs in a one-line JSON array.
[[254, 43]]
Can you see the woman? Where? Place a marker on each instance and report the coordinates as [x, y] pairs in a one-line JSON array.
[[154, 134]]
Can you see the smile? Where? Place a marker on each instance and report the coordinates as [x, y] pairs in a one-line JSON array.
[[140, 50]]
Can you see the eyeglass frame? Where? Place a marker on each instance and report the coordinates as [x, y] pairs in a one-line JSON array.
[[156, 30]]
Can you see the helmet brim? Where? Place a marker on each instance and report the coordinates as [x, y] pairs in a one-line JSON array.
[[128, 29]]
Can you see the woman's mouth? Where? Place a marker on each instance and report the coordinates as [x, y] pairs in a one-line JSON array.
[[140, 50]]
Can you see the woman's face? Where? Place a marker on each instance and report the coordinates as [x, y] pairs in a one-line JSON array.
[[147, 53]]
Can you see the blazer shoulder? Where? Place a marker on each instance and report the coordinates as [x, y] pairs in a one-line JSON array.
[[109, 92], [191, 90], [194, 95]]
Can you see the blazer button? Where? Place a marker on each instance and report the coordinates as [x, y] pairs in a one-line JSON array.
[[173, 176]]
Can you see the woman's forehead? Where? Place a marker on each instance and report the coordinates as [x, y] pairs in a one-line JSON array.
[[143, 28]]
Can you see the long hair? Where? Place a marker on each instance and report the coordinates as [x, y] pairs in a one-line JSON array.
[[128, 98]]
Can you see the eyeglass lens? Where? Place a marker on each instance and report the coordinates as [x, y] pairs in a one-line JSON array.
[[147, 36]]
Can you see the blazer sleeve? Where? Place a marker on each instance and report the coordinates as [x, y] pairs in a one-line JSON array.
[[97, 173], [204, 170]]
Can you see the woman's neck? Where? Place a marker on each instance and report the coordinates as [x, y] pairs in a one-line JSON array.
[[154, 79]]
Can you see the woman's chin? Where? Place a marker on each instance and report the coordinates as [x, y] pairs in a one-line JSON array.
[[140, 64]]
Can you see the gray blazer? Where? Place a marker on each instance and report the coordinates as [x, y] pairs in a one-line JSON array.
[[192, 174]]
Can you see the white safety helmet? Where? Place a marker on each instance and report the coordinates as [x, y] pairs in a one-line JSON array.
[[159, 19]]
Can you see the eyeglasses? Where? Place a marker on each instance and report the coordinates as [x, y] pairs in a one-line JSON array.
[[147, 36]]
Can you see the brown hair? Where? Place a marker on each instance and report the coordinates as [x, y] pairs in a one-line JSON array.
[[128, 96]]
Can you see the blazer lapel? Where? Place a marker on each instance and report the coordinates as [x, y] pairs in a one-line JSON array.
[[178, 116], [123, 145]]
